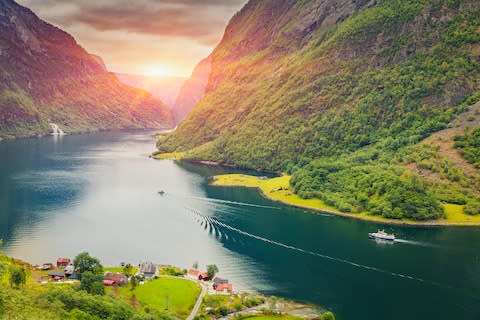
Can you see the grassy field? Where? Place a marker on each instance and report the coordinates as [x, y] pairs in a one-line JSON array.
[[169, 155], [117, 269], [277, 189], [180, 294]]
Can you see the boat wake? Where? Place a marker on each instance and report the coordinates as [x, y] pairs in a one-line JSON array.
[[213, 221], [418, 243], [229, 202]]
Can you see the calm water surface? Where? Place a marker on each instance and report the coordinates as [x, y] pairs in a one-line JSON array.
[[99, 192]]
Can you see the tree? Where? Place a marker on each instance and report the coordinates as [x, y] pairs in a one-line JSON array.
[[18, 277], [212, 270], [128, 270], [84, 262], [92, 283], [133, 283], [327, 316], [195, 265]]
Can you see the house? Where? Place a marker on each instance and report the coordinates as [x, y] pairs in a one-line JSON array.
[[148, 270], [203, 276], [63, 262], [69, 270], [217, 281], [226, 288], [193, 273], [47, 266], [115, 279], [56, 275]]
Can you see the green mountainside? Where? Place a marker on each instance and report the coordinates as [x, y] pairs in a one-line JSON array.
[[342, 94], [46, 77]]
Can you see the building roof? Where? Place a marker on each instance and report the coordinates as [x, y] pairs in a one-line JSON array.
[[193, 272], [148, 267], [115, 277], [219, 280], [56, 273], [224, 287], [63, 260], [108, 282]]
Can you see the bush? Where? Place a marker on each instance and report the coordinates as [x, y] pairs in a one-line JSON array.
[[472, 207]]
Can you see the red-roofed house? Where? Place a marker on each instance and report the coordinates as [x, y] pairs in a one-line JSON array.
[[225, 288], [63, 262], [108, 283], [203, 276], [117, 279], [193, 273]]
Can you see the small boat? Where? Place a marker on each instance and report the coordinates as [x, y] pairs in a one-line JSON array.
[[161, 192], [382, 235]]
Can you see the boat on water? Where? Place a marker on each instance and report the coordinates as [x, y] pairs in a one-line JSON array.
[[382, 235], [161, 192]]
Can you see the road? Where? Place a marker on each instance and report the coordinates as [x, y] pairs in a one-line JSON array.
[[198, 303]]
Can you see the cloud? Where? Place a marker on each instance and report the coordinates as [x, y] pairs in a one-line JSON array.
[[132, 36], [195, 19]]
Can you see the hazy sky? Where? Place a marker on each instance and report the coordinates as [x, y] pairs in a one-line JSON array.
[[142, 36]]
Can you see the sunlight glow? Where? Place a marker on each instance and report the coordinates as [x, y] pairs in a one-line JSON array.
[[157, 71]]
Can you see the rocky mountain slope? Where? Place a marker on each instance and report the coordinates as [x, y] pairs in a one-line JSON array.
[[46, 77], [192, 90], [339, 93]]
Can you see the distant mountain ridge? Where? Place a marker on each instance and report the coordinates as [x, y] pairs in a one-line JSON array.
[[193, 89], [340, 93], [45, 76], [165, 88]]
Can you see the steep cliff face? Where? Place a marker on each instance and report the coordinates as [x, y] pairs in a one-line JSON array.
[[298, 86], [192, 90], [335, 75], [45, 76]]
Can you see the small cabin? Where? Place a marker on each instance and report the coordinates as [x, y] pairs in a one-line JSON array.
[[226, 288], [56, 275], [193, 273], [203, 276], [148, 270], [115, 279]]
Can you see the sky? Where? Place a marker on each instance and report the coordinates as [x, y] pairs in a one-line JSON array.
[[150, 37]]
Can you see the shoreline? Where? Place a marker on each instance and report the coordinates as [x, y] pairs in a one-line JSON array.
[[81, 132], [232, 180]]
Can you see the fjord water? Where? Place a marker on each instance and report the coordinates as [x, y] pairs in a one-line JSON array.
[[99, 192]]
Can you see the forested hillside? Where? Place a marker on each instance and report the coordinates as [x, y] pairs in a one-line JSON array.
[[341, 94], [46, 77]]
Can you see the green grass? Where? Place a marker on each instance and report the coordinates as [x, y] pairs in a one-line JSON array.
[[117, 269], [278, 189], [182, 294], [168, 155]]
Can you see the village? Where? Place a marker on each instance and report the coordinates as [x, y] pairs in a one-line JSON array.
[[64, 272]]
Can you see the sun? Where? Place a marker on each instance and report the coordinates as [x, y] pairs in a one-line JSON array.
[[155, 72]]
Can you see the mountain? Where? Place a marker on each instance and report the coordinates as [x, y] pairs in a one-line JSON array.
[[192, 90], [46, 77], [164, 88], [341, 94]]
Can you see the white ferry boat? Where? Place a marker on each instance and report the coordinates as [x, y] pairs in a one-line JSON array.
[[382, 235]]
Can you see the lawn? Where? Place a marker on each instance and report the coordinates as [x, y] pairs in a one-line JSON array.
[[278, 189], [169, 155], [180, 294], [117, 269]]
